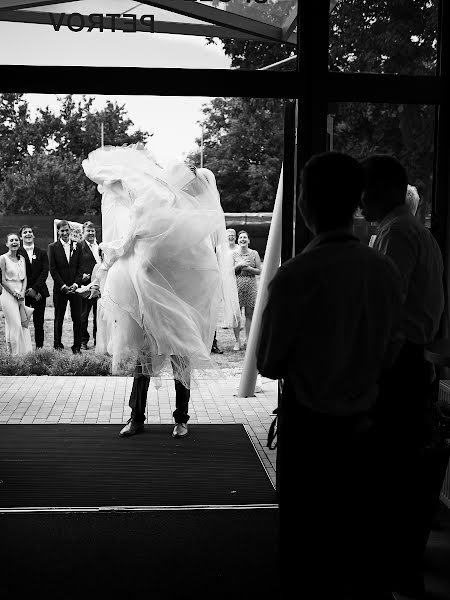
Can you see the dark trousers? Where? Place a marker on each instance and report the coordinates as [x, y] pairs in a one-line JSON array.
[[38, 318], [60, 303], [138, 397], [86, 306], [407, 498], [324, 466]]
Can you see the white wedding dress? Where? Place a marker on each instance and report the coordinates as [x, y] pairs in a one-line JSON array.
[[162, 282], [18, 338]]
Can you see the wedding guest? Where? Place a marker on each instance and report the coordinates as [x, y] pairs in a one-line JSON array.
[[412, 201], [36, 294], [247, 264], [405, 408], [325, 333], [66, 269], [14, 283], [91, 257], [231, 235], [412, 198]]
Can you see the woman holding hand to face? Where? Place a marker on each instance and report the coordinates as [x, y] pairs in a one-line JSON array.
[[247, 265], [14, 283]]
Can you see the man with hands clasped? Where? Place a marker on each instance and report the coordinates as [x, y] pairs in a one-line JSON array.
[[66, 269], [36, 294], [91, 257]]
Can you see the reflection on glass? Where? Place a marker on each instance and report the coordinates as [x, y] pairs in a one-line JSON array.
[[405, 131], [248, 34], [384, 37]]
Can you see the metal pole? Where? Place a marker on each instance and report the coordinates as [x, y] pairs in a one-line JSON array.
[[201, 149], [102, 133]]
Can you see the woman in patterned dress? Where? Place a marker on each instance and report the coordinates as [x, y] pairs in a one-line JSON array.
[[247, 264]]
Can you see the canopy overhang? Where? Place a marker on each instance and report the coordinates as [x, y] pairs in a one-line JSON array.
[[191, 17]]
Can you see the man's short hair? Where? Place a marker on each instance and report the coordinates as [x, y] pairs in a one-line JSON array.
[[62, 223], [332, 185], [231, 230], [387, 174], [88, 225], [412, 198], [25, 227]]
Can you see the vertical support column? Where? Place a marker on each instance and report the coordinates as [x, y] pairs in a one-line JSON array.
[[440, 214], [312, 44], [289, 181]]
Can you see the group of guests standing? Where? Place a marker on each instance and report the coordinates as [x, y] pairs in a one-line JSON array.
[[24, 271]]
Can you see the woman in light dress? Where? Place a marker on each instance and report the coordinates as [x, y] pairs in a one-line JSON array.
[[247, 265], [14, 284]]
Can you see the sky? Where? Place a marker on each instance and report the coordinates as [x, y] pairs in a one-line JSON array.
[[172, 120]]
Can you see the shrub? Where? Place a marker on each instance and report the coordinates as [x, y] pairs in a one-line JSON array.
[[51, 362]]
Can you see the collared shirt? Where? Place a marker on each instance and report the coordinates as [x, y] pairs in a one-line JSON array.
[[415, 252], [66, 247], [94, 250], [30, 251], [328, 321]]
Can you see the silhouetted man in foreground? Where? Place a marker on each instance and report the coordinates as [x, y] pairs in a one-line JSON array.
[[326, 333], [405, 407]]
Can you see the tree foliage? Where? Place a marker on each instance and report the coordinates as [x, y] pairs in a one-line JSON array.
[[40, 158], [48, 184], [245, 160], [252, 54], [380, 36]]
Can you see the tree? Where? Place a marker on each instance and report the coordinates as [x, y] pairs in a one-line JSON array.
[[40, 159], [251, 54], [48, 185], [381, 36], [80, 127], [14, 130], [243, 147]]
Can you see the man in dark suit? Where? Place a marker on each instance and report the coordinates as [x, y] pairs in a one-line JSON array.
[[91, 256], [66, 269], [36, 294]]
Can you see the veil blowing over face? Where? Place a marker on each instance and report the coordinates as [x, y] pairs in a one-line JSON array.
[[162, 281]]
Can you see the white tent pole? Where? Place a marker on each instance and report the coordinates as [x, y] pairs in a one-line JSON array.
[[272, 258]]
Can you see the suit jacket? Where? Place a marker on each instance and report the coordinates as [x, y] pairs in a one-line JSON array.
[[37, 270], [63, 272], [89, 261]]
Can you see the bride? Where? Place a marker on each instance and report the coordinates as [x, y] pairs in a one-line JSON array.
[[162, 271]]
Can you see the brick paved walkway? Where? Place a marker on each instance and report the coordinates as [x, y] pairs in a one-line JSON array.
[[105, 400]]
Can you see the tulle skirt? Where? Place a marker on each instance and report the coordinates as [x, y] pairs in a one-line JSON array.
[[162, 284]]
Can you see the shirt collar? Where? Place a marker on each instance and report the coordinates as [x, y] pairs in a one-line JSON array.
[[402, 209], [65, 243], [323, 237]]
